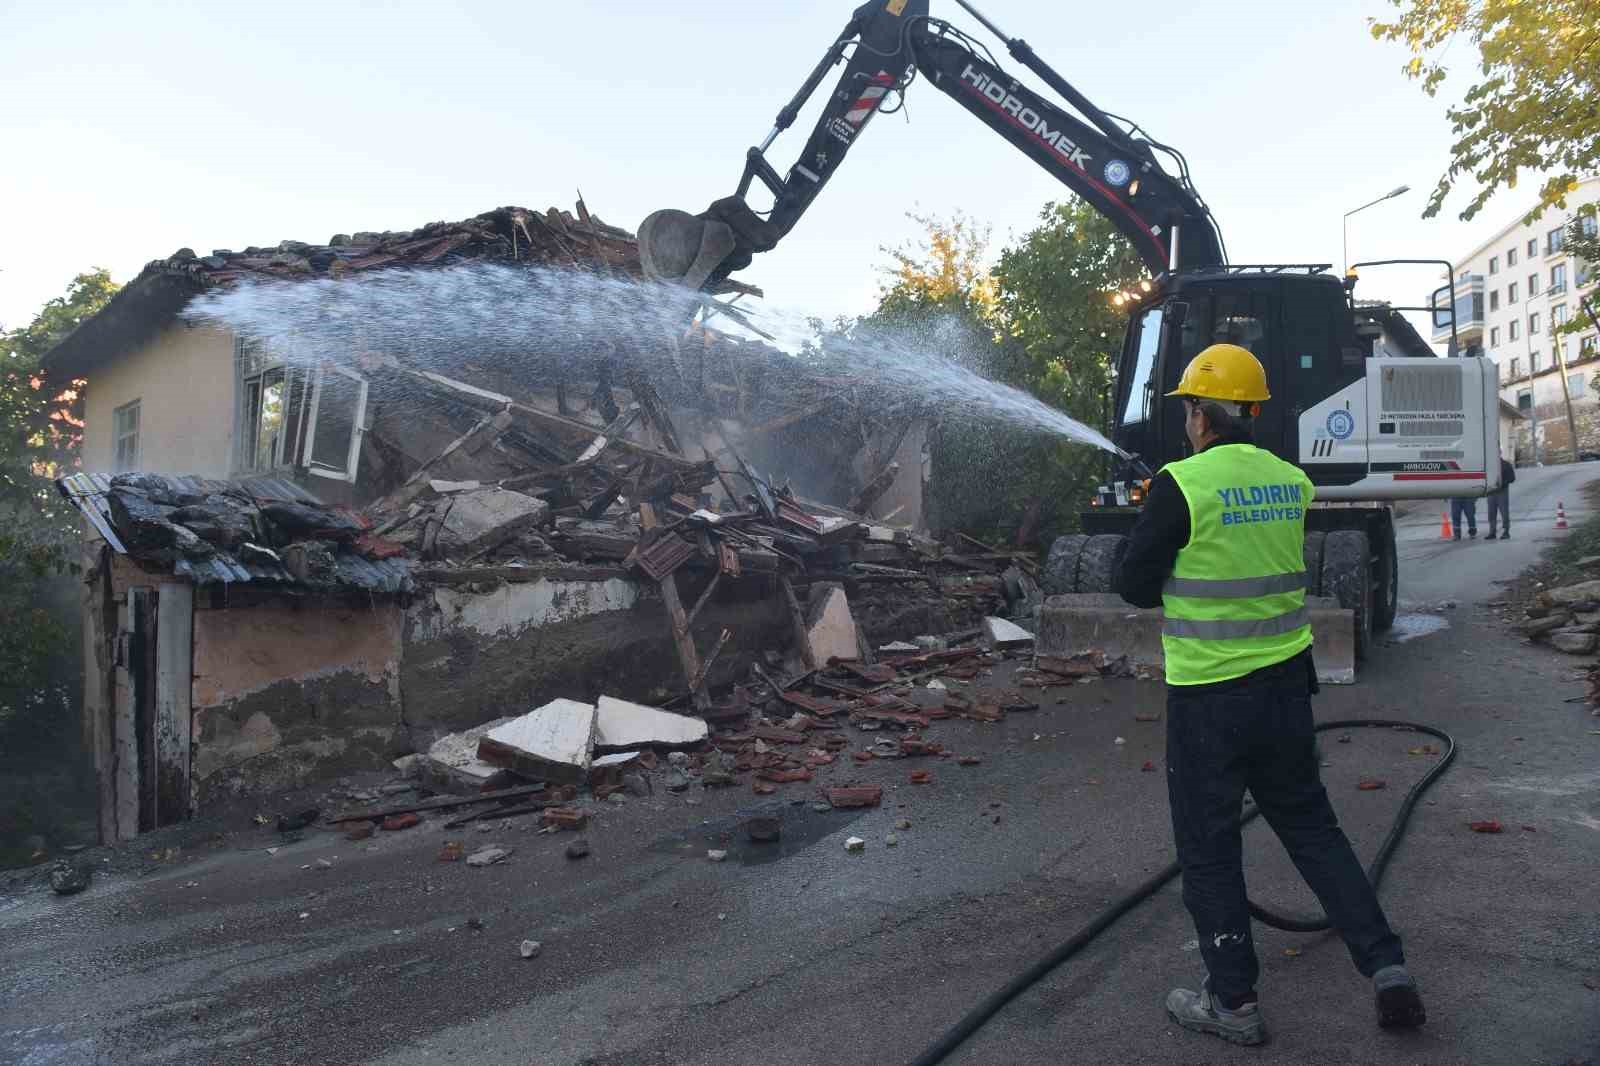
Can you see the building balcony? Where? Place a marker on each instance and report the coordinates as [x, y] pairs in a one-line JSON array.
[[1468, 312]]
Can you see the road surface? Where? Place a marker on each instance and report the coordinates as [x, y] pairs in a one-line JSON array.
[[805, 953]]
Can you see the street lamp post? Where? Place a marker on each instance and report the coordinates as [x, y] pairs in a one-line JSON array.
[[1345, 234]]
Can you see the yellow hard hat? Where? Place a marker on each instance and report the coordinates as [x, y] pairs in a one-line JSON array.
[[1224, 372]]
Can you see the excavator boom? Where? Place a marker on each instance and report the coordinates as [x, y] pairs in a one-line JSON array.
[[884, 47]]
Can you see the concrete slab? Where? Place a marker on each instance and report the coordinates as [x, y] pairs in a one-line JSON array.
[[830, 628], [1005, 634], [480, 519], [553, 743], [624, 726], [1071, 624], [452, 761]]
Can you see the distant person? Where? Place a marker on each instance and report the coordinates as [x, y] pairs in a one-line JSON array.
[[1464, 509], [1500, 501]]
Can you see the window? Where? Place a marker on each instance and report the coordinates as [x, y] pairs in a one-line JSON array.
[[1135, 407], [1511, 257], [1513, 330], [1533, 324], [1533, 362], [1511, 295], [1494, 300], [1494, 264], [125, 433], [1533, 248], [1585, 274], [296, 415], [1554, 240], [1589, 225], [1525, 399], [1558, 278], [1533, 285], [1516, 368], [1494, 336], [1575, 385], [1558, 314]]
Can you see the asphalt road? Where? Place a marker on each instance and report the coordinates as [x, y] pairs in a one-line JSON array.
[[805, 953]]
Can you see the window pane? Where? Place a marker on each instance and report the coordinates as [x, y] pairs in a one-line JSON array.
[[339, 403], [269, 423], [1149, 338]]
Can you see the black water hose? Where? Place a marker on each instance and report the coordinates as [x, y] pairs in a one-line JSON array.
[[991, 1006]]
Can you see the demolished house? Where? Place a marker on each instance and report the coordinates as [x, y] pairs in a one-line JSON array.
[[457, 548]]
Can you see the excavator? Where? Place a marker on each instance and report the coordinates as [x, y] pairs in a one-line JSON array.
[[1360, 401]]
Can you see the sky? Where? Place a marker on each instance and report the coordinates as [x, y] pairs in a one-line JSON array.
[[130, 131]]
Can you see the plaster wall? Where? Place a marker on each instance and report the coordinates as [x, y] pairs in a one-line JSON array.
[[284, 693], [183, 379]]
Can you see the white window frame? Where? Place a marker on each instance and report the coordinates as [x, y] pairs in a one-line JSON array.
[[118, 434], [308, 397], [358, 427]]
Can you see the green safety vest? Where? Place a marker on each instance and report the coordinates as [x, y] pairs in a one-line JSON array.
[[1236, 600]]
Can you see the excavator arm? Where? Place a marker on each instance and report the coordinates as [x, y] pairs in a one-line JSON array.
[[884, 47]]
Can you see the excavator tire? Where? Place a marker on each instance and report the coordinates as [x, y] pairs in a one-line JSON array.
[[1386, 595], [1100, 561], [1061, 565], [1347, 577], [1313, 551]]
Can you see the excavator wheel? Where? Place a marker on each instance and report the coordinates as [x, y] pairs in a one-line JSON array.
[[1347, 577], [1386, 591], [1100, 561], [1061, 565], [1313, 552]]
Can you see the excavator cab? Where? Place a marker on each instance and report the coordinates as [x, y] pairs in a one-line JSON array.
[[1294, 318]]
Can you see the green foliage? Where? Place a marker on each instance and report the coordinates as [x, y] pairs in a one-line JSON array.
[[39, 436], [1536, 103], [1038, 320]]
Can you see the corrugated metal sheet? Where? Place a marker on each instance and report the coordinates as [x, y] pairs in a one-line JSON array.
[[88, 493]]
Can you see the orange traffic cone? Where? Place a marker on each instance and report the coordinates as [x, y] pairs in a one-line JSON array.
[[1561, 514], [1445, 532]]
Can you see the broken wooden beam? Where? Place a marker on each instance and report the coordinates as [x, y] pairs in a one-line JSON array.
[[436, 803]]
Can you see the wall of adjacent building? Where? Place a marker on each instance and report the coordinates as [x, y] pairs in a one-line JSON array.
[[183, 379]]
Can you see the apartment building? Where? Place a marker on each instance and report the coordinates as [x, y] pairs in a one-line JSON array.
[[1510, 292]]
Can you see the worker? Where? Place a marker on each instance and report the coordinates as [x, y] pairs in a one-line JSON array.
[[1500, 501], [1219, 545], [1464, 515]]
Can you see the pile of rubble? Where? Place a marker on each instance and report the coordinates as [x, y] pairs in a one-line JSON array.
[[1566, 617]]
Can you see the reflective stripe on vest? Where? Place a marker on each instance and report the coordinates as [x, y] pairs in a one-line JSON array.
[[1235, 602]]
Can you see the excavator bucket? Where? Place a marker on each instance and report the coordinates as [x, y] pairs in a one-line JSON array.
[[678, 248], [1072, 624]]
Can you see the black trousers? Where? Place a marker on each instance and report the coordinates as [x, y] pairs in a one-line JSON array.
[[1500, 503], [1256, 734]]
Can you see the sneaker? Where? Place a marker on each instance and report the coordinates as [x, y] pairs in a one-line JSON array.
[[1473, 534], [1506, 535], [1490, 535], [1201, 1013], [1458, 536], [1399, 1003]]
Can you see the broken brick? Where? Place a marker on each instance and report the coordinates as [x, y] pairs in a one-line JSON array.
[[856, 795], [921, 777], [861, 756], [783, 777], [1370, 784], [1148, 767], [763, 788], [774, 735], [359, 831], [969, 760], [915, 746], [400, 821], [1487, 826], [453, 851], [566, 818]]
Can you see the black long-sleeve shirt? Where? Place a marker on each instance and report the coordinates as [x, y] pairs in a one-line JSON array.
[[1159, 534], [1161, 531]]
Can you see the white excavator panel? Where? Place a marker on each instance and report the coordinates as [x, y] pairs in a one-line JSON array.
[[1420, 428]]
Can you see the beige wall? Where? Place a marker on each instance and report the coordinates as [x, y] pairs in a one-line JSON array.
[[183, 380]]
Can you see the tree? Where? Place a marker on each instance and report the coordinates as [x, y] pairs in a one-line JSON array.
[[1039, 320], [40, 429], [1536, 105]]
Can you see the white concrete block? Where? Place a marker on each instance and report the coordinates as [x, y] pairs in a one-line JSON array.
[[1005, 634], [621, 724], [830, 628], [555, 742]]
